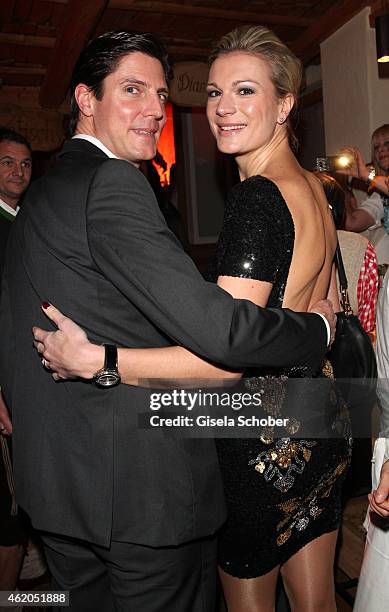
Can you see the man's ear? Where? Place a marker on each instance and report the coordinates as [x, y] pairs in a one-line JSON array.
[[84, 98]]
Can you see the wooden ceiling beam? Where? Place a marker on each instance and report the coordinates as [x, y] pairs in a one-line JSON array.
[[78, 27], [37, 70], [308, 44], [170, 8], [28, 40]]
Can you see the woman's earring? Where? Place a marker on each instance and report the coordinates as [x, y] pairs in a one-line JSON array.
[[282, 119]]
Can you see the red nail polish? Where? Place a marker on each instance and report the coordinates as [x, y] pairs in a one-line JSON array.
[[45, 304]]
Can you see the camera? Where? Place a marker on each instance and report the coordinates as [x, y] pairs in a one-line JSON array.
[[332, 163]]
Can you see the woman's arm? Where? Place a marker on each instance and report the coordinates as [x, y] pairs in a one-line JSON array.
[[360, 170], [358, 220], [69, 353], [369, 212]]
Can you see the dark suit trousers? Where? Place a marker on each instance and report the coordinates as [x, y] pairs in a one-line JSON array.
[[133, 578]]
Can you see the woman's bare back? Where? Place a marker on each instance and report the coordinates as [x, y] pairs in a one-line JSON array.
[[315, 239]]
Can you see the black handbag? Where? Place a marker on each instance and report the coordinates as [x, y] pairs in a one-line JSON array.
[[352, 354]]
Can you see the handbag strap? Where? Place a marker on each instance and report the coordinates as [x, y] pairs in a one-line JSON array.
[[343, 284]]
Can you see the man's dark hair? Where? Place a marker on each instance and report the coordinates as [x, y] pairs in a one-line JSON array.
[[9, 135], [101, 57]]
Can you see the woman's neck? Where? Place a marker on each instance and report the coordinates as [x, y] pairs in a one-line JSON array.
[[260, 161]]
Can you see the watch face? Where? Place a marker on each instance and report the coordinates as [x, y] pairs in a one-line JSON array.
[[108, 378]]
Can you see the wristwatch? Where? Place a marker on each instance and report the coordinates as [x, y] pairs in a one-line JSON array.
[[109, 375]]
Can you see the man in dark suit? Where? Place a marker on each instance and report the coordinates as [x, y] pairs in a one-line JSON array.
[[129, 522], [15, 175]]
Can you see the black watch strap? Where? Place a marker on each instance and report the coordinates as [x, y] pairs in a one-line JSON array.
[[109, 375], [111, 357]]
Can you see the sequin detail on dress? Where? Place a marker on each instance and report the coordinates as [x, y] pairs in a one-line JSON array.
[[278, 463]]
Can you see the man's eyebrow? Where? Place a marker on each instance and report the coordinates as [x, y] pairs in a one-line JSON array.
[[6, 157], [134, 80], [143, 83]]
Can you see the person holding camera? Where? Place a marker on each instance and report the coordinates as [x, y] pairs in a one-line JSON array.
[[372, 213]]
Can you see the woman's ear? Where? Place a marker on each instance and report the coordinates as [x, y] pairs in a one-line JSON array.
[[286, 105]]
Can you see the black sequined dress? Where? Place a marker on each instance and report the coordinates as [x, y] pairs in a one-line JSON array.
[[281, 493]]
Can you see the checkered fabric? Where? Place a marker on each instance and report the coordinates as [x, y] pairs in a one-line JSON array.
[[367, 290]]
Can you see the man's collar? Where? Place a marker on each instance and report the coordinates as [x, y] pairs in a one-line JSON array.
[[96, 142], [7, 211]]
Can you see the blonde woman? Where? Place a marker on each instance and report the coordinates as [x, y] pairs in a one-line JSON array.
[[373, 213]]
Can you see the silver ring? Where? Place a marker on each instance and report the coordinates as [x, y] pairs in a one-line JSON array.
[[3, 429]]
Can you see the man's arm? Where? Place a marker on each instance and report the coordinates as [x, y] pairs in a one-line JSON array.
[[133, 247]]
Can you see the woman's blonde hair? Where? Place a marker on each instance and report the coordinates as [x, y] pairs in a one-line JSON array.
[[383, 130], [285, 67]]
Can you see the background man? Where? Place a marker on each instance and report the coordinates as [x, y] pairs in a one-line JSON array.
[[15, 175], [129, 521]]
